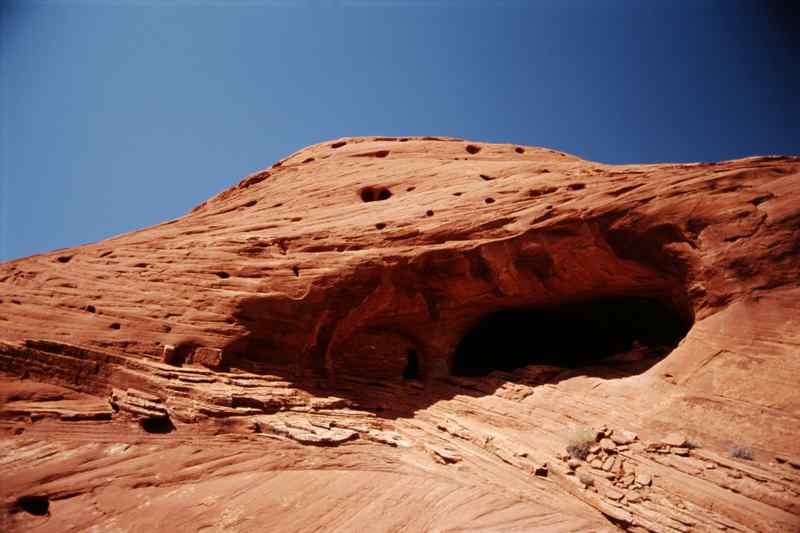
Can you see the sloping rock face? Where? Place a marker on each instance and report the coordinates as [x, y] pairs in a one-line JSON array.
[[407, 334]]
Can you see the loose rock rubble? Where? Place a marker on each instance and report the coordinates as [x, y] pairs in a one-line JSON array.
[[306, 433]]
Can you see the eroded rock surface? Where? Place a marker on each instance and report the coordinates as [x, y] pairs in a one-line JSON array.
[[403, 334]]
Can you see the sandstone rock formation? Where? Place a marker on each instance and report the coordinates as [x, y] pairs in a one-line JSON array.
[[404, 334]]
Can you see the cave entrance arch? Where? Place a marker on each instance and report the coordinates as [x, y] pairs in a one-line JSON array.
[[571, 335]]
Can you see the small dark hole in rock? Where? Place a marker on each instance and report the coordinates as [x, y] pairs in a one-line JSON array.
[[374, 194], [411, 370], [297, 219], [91, 309], [696, 225], [157, 425], [253, 180], [519, 150], [251, 203], [457, 193], [338, 144], [308, 160], [277, 205], [380, 225], [410, 189], [64, 258], [115, 325], [429, 213], [381, 153], [296, 270], [576, 186], [489, 200], [761, 199], [484, 177], [472, 149], [542, 191], [181, 354], [35, 505], [223, 275]]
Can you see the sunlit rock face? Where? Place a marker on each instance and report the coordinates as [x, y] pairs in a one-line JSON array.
[[425, 320]]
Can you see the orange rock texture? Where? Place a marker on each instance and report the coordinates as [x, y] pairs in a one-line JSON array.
[[418, 334]]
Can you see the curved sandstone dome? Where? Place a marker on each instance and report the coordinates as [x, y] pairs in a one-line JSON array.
[[404, 334]]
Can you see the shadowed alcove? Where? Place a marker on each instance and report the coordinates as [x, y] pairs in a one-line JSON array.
[[571, 335], [35, 505]]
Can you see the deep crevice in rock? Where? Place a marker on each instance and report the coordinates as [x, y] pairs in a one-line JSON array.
[[572, 335], [411, 370]]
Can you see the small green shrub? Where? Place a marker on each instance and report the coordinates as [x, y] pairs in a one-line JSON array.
[[581, 441], [584, 434], [741, 452]]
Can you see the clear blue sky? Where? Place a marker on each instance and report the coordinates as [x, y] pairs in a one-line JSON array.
[[121, 114]]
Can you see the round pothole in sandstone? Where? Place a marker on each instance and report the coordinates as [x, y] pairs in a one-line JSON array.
[[624, 330]]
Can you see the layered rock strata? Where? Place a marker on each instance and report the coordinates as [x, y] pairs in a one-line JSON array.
[[405, 333]]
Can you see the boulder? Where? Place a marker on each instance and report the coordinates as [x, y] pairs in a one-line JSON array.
[[211, 358], [608, 445], [676, 438], [623, 437]]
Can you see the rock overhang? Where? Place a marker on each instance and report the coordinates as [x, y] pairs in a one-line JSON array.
[[425, 304], [416, 239]]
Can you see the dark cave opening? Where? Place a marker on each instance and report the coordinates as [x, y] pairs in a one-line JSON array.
[[159, 425], [411, 370], [571, 335], [35, 505], [179, 354]]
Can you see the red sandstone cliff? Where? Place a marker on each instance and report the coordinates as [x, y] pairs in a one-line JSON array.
[[403, 334]]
